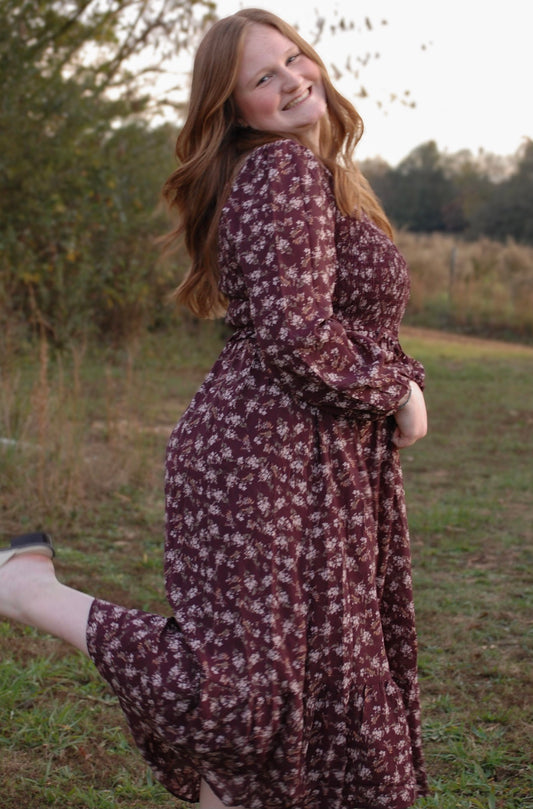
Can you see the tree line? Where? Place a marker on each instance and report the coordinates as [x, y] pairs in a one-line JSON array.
[[82, 164], [432, 192]]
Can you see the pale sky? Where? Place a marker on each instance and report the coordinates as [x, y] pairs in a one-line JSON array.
[[467, 64]]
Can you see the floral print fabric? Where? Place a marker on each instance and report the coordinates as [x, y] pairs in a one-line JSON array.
[[287, 676]]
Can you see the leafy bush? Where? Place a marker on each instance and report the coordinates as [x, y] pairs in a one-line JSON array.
[[80, 166]]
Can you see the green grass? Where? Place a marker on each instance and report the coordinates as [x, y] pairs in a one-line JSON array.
[[469, 487], [63, 741]]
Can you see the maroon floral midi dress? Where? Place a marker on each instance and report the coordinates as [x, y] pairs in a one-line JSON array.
[[286, 677]]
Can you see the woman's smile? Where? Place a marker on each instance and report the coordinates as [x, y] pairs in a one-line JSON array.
[[298, 100]]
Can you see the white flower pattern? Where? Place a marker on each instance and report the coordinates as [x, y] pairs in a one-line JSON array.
[[287, 676]]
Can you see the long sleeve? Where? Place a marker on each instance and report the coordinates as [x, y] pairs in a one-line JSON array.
[[279, 228]]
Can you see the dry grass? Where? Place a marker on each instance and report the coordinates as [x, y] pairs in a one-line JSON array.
[[80, 427], [481, 287]]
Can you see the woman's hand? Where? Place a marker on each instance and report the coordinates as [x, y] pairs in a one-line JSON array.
[[411, 420]]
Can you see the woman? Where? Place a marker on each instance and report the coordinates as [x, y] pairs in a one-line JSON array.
[[287, 676]]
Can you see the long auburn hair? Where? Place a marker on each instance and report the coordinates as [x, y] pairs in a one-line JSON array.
[[212, 144]]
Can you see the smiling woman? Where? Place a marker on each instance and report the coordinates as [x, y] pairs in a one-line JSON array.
[[286, 675], [279, 89]]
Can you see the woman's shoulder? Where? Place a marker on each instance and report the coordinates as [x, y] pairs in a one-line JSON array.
[[282, 174], [282, 160]]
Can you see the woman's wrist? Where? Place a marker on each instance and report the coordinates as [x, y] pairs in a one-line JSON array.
[[407, 398]]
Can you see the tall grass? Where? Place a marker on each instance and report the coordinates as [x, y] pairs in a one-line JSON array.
[[80, 425], [483, 287]]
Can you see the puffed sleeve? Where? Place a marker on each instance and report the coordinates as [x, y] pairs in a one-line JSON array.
[[281, 220]]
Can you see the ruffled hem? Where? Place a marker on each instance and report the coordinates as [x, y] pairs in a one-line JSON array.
[[187, 728]]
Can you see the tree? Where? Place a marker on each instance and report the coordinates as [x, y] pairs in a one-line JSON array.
[[472, 183], [80, 168], [422, 194], [508, 211]]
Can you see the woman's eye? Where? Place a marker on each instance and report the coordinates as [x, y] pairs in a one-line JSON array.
[[263, 79], [293, 57]]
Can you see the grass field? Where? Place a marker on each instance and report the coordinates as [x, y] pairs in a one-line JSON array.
[[82, 445]]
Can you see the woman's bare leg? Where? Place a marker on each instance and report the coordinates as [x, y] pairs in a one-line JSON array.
[[31, 595], [208, 799]]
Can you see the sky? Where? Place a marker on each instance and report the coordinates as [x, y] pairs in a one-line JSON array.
[[466, 64]]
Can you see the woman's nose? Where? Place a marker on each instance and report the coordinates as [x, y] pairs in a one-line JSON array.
[[290, 80]]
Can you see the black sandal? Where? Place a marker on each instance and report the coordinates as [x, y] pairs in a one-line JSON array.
[[28, 543]]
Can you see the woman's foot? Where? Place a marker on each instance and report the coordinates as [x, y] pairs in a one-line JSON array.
[[24, 581]]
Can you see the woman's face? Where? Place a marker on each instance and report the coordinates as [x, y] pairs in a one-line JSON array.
[[278, 88]]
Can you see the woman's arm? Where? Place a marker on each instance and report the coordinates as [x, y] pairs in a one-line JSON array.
[[280, 219]]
